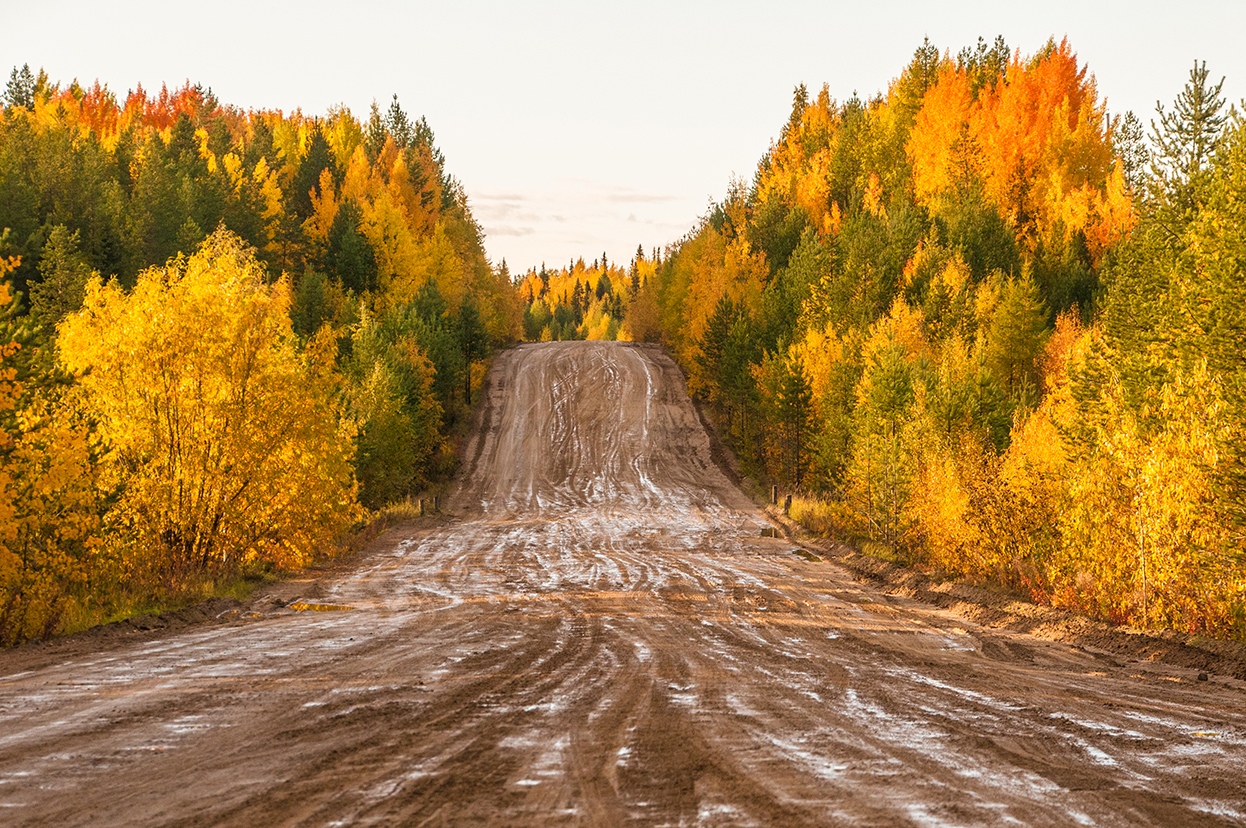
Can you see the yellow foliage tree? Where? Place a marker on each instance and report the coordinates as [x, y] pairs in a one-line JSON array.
[[49, 505], [890, 396], [641, 324], [1144, 543], [50, 549], [727, 267], [1038, 140], [221, 440]]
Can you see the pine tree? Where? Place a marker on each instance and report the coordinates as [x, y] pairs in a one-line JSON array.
[[795, 411], [986, 64], [20, 90], [1130, 145], [1185, 140], [913, 83]]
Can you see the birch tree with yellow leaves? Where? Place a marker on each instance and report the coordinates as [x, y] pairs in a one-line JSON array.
[[222, 441]]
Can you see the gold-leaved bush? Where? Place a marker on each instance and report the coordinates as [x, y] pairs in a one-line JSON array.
[[222, 442]]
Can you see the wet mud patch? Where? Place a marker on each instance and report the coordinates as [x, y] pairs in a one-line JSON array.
[[753, 599]]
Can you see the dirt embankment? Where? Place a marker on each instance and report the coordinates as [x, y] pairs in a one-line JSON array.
[[999, 610]]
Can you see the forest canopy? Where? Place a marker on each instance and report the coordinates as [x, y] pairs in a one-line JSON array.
[[980, 323], [228, 333]]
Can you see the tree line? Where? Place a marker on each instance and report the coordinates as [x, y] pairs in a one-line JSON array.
[[228, 335], [980, 323], [974, 321], [600, 301]]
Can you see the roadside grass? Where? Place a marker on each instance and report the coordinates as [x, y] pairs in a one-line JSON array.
[[828, 519], [133, 599], [818, 517], [399, 513]]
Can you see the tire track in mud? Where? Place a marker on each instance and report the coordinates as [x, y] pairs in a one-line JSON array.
[[601, 636]]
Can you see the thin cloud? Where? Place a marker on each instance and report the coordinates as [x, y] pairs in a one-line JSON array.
[[504, 212], [641, 198], [510, 231], [500, 197]]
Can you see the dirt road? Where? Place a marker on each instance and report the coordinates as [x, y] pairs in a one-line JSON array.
[[601, 636]]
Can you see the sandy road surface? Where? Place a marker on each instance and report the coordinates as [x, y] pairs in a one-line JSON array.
[[603, 637]]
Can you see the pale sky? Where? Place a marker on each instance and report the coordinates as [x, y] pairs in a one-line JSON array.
[[586, 127]]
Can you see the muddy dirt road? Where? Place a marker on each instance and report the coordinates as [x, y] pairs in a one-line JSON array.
[[601, 636]]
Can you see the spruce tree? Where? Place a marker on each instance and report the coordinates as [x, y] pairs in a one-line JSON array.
[[349, 256], [374, 133], [1015, 336], [399, 125], [318, 159], [63, 272], [473, 339]]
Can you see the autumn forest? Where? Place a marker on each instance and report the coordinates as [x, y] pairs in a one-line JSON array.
[[975, 323]]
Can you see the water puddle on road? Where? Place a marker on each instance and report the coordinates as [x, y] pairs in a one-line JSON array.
[[312, 606]]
